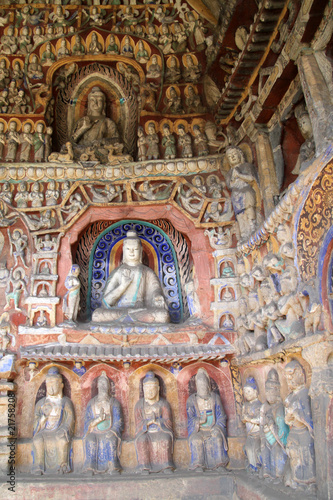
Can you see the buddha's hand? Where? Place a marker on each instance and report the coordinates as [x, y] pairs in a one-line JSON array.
[[126, 278]]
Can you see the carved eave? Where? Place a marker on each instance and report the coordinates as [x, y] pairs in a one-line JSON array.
[[158, 353]]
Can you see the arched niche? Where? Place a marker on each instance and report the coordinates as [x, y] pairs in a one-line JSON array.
[[121, 102], [99, 254]]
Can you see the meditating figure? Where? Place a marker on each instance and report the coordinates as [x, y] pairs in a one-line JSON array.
[[133, 291], [53, 428], [206, 424], [154, 436], [103, 425]]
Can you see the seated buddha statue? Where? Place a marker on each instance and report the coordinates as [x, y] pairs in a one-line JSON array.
[[133, 291]]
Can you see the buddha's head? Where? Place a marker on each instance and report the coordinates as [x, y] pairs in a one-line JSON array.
[[103, 385], [54, 383], [250, 389], [202, 382], [132, 249], [151, 388], [272, 387], [235, 156], [96, 102]]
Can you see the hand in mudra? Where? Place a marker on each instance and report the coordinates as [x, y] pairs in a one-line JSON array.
[[126, 278]]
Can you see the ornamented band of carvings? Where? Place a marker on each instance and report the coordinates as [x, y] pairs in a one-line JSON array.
[[315, 220]]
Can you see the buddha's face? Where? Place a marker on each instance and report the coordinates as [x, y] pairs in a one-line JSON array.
[[305, 126], [102, 385], [250, 394], [181, 131], [12, 126], [132, 252], [54, 386], [96, 104], [151, 129], [234, 157], [202, 384], [27, 128], [272, 395], [39, 128], [151, 390]]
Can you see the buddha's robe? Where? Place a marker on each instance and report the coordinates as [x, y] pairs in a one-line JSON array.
[[208, 440]]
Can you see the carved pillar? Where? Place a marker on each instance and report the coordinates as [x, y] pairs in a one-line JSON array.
[[318, 99], [267, 173], [321, 392]]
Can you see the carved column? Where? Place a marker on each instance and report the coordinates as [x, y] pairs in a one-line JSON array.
[[318, 99], [321, 392], [267, 174]]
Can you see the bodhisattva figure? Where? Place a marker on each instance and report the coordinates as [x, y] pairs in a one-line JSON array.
[[95, 131], [71, 303], [133, 291], [103, 425], [308, 148], [300, 442], [53, 428], [274, 430], [251, 419], [241, 180], [206, 424], [154, 436]]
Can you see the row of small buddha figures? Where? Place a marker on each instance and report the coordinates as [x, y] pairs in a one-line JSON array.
[[26, 145], [104, 423]]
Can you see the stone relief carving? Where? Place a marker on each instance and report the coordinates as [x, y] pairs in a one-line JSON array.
[[154, 434], [53, 428], [251, 418], [206, 423]]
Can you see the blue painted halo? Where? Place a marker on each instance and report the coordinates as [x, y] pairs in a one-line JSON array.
[[100, 265]]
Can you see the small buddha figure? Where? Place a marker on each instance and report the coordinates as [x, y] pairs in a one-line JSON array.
[[200, 141], [53, 428], [300, 441], [192, 71], [26, 140], [173, 73], [95, 130], [22, 196], [152, 141], [154, 436], [71, 303], [35, 71], [308, 148], [52, 194], [95, 47], [154, 70], [169, 143], [274, 456], [8, 42], [184, 142], [251, 419], [127, 49], [39, 142], [48, 57], [142, 55], [112, 47], [78, 47], [103, 425], [63, 50], [206, 424], [133, 291], [79, 369], [13, 141]]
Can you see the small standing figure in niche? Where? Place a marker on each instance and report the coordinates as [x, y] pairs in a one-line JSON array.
[[71, 302], [184, 142], [103, 426], [142, 55], [300, 441], [48, 142], [192, 71], [78, 47], [53, 428], [26, 140], [154, 436], [242, 181], [142, 145], [39, 143], [13, 141], [127, 49], [206, 424], [22, 196], [308, 148], [48, 57], [173, 102], [63, 50], [172, 74], [112, 47], [19, 241], [169, 143], [35, 71], [52, 194], [35, 196], [152, 141], [31, 370], [154, 70], [15, 286], [41, 320], [17, 73], [193, 101], [251, 419], [201, 141], [274, 428], [79, 369], [95, 47]]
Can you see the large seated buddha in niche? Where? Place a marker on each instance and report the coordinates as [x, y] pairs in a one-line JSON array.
[[95, 136], [133, 292]]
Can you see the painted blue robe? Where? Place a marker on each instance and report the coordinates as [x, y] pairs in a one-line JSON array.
[[209, 447], [102, 444]]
